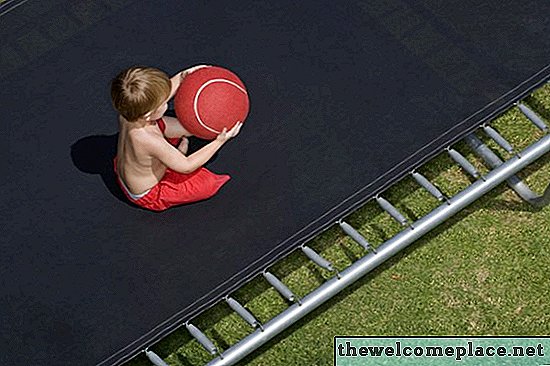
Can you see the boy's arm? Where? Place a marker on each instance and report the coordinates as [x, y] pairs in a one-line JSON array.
[[174, 129], [175, 160], [176, 79]]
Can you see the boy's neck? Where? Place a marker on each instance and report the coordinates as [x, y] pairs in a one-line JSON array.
[[140, 123]]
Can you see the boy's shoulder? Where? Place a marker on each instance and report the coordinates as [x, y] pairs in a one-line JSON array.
[[148, 134], [141, 134]]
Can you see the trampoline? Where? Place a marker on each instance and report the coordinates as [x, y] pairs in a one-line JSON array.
[[86, 277]]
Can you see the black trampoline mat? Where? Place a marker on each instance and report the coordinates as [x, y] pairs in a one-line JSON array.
[[346, 98]]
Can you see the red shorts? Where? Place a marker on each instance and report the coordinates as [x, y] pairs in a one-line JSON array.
[[176, 188]]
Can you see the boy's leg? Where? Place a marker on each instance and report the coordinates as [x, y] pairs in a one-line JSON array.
[[174, 128]]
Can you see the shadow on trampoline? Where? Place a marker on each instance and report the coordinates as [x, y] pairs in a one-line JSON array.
[[94, 155]]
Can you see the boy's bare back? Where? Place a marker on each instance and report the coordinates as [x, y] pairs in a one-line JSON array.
[[137, 168]]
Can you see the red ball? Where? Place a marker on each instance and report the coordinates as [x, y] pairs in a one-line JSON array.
[[210, 99]]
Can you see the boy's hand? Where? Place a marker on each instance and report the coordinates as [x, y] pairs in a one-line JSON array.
[[178, 78], [188, 71], [184, 145], [225, 135]]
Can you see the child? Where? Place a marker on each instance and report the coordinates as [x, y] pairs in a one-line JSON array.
[[153, 170]]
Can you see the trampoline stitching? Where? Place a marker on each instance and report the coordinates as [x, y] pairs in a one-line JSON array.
[[9, 2], [208, 303]]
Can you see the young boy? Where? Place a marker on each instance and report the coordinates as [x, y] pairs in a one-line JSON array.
[[153, 170]]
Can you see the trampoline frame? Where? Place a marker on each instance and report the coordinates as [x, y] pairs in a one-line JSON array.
[[501, 171]]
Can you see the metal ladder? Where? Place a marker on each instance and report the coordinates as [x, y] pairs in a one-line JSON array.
[[449, 206]]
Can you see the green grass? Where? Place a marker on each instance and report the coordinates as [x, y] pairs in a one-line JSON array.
[[483, 272]]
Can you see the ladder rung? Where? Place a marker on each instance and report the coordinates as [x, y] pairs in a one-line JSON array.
[[464, 163], [427, 185], [533, 117], [390, 209], [202, 339], [497, 137], [243, 313], [155, 359], [279, 286], [317, 259], [354, 234]]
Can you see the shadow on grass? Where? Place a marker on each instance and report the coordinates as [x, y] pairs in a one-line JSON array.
[[500, 204], [539, 107]]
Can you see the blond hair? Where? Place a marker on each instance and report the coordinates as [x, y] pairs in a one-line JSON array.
[[138, 90]]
